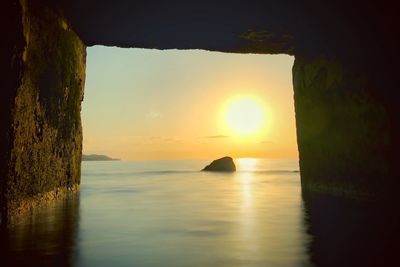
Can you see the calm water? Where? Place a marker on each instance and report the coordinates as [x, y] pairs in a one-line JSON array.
[[167, 213]]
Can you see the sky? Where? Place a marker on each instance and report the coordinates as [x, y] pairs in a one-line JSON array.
[[147, 104]]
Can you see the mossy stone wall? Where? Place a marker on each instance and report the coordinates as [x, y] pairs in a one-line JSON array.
[[45, 133], [344, 129]]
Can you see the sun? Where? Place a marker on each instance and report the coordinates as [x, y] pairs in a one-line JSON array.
[[245, 115]]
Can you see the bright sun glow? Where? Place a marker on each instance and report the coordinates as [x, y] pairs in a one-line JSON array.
[[245, 115]]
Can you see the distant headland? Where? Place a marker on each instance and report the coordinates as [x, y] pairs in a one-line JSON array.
[[94, 157]]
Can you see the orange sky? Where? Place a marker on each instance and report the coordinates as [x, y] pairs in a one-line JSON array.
[[151, 104]]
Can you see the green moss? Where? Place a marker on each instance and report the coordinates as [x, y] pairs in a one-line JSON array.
[[342, 129], [266, 42], [46, 124], [56, 72]]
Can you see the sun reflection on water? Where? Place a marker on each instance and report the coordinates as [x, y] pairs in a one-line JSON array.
[[246, 164], [245, 167], [245, 176]]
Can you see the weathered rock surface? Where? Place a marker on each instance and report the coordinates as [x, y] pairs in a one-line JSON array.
[[345, 129], [224, 164], [41, 149]]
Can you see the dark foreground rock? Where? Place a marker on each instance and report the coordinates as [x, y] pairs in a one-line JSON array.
[[224, 164]]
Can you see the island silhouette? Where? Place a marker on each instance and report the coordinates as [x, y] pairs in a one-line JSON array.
[[95, 157], [224, 164]]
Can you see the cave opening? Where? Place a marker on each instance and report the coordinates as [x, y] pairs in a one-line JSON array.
[[145, 104], [166, 114]]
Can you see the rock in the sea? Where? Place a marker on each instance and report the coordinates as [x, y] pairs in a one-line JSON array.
[[224, 164]]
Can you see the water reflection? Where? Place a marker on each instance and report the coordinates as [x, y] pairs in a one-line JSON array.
[[190, 218], [350, 232], [247, 166], [246, 215], [45, 237]]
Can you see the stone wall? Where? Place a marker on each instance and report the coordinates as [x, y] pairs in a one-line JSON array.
[[346, 127], [43, 126]]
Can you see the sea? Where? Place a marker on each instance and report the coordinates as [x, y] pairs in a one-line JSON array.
[[169, 213]]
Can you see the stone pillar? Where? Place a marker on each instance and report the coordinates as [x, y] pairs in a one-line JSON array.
[[41, 133], [346, 126]]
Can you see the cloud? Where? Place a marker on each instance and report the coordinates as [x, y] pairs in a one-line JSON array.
[[154, 115], [215, 136], [153, 137], [167, 139], [171, 139], [266, 142]]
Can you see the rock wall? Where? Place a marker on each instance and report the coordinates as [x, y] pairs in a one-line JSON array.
[[43, 133], [346, 128]]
